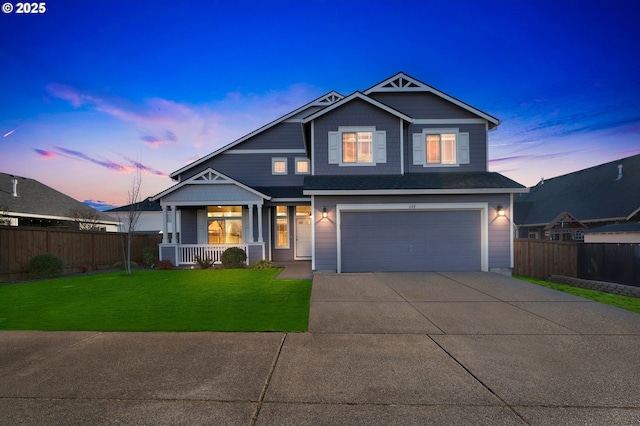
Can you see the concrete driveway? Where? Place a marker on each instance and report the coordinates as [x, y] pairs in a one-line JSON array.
[[382, 348]]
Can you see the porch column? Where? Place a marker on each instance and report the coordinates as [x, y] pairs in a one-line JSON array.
[[260, 240], [174, 218], [165, 228], [250, 236]]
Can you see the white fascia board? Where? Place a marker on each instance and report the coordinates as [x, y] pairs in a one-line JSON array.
[[315, 102], [357, 95], [290, 200], [449, 121], [264, 151], [416, 191], [210, 202], [422, 87]]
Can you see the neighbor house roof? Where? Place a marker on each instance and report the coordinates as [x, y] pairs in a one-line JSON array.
[[147, 205], [596, 194], [35, 199], [414, 183], [615, 228]]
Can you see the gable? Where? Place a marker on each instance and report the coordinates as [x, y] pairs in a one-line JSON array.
[[402, 83]]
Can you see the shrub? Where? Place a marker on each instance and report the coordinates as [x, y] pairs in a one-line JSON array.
[[205, 263], [263, 264], [46, 266], [233, 257], [165, 265], [150, 256], [84, 268]]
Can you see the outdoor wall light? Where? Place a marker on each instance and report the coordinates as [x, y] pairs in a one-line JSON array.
[[324, 213], [500, 210]]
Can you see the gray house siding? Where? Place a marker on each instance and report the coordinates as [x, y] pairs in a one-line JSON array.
[[356, 113], [477, 148], [189, 226], [281, 136], [422, 105], [255, 169], [499, 249]]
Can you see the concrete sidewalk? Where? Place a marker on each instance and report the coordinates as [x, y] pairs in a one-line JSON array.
[[406, 348]]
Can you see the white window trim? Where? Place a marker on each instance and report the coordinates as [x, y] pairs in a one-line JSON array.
[[274, 160], [375, 135], [301, 159], [439, 131], [275, 242]]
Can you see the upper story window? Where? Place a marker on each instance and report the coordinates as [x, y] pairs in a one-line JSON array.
[[440, 147], [302, 166], [357, 146], [279, 166]]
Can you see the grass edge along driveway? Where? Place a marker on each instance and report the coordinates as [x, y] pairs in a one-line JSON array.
[[153, 300], [623, 302]]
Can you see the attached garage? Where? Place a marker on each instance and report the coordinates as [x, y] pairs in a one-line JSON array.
[[421, 238]]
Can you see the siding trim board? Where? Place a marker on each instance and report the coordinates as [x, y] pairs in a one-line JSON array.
[[482, 207], [415, 191]]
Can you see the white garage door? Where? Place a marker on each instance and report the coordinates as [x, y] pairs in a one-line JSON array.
[[411, 240]]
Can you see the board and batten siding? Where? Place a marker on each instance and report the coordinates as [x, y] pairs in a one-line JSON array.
[[325, 238], [356, 113], [422, 105]]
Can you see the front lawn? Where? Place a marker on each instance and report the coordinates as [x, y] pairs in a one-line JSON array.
[[625, 302], [176, 300]]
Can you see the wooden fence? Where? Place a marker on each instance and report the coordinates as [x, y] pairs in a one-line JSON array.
[[77, 249], [541, 258]]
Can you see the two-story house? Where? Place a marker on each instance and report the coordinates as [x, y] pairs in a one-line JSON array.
[[394, 178]]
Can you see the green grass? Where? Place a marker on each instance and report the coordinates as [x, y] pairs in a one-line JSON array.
[[176, 300], [625, 302]]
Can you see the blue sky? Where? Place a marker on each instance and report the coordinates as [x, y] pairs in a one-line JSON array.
[[90, 90]]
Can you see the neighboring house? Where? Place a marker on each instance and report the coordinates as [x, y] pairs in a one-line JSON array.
[[607, 194], [394, 178], [27, 202], [149, 220], [626, 233], [565, 227]]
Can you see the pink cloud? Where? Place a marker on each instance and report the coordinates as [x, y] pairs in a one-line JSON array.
[[45, 154]]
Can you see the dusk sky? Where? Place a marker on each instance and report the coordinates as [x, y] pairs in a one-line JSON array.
[[90, 90]]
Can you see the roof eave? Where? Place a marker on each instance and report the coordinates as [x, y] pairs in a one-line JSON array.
[[430, 191]]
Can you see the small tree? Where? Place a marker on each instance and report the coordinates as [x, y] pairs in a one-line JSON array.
[[130, 221], [88, 219]]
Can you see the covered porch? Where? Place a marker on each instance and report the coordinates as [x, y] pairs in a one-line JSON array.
[[216, 213]]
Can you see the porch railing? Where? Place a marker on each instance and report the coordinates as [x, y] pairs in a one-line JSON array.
[[189, 252]]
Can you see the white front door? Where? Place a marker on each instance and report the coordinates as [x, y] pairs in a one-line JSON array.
[[303, 232]]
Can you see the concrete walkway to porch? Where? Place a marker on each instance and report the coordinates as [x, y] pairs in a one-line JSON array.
[[295, 269]]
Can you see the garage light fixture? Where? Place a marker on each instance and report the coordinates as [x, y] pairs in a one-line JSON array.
[[500, 210], [324, 213]]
